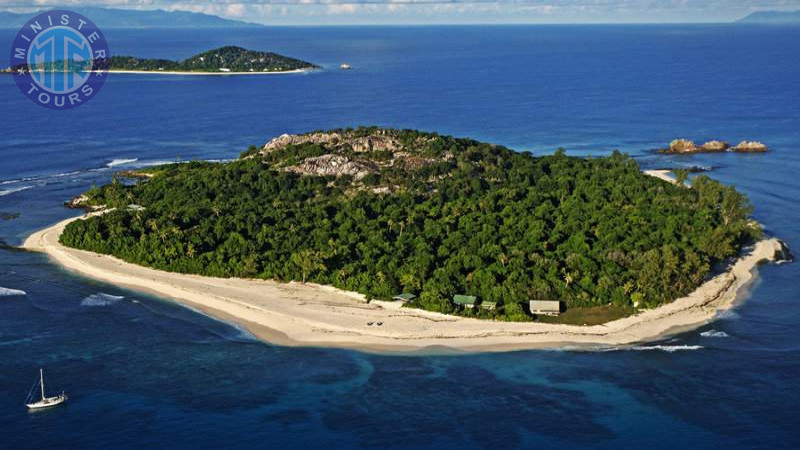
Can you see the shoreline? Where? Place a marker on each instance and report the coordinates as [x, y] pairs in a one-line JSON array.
[[661, 174], [294, 314], [155, 72]]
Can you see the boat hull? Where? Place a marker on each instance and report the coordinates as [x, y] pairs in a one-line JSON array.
[[48, 402]]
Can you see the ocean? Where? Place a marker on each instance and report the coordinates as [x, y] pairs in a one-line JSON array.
[[143, 372]]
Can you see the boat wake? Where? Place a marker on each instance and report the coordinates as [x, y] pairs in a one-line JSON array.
[[101, 299], [6, 292]]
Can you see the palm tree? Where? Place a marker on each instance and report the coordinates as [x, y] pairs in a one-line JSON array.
[[153, 224], [681, 175], [308, 262], [503, 259], [628, 288], [409, 281], [568, 278]]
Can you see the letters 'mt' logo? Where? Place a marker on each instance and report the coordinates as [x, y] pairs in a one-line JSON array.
[[59, 59]]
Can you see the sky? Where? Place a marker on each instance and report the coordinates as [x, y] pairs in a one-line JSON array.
[[374, 12]]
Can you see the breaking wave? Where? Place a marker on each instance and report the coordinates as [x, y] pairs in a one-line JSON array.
[[18, 180], [160, 162], [101, 299], [120, 162], [728, 315], [668, 348], [714, 333], [6, 292], [4, 192]]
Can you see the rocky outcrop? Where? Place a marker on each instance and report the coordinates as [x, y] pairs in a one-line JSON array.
[[371, 143], [376, 143], [682, 146], [357, 153], [82, 202], [298, 139], [336, 165], [750, 146], [715, 146], [686, 146], [411, 162], [78, 202], [782, 254]]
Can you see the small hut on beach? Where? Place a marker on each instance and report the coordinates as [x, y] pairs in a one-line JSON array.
[[545, 307], [404, 297], [467, 301]]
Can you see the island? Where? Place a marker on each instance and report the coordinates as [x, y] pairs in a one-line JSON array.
[[110, 18], [772, 18], [400, 240], [230, 60], [686, 146]]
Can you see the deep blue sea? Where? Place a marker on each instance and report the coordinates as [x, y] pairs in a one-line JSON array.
[[143, 372]]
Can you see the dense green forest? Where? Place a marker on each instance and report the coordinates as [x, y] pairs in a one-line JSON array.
[[431, 215], [235, 59]]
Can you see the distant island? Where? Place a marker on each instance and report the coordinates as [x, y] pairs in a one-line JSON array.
[[230, 60], [686, 146], [223, 60], [106, 18], [772, 17]]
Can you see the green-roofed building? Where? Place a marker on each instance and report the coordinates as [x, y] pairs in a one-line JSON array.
[[467, 301], [404, 297]]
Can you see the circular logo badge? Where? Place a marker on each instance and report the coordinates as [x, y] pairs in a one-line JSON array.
[[60, 59]]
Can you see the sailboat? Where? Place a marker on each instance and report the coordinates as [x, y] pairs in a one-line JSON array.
[[45, 402]]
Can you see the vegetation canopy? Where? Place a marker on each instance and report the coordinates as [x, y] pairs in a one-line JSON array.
[[233, 59], [382, 212]]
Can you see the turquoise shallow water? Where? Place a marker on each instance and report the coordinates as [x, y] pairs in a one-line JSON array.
[[144, 372]]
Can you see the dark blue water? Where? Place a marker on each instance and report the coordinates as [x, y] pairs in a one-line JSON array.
[[143, 372]]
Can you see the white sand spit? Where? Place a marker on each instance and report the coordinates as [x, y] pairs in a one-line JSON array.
[[313, 315]]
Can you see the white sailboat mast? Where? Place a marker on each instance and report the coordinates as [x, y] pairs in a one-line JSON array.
[[41, 381]]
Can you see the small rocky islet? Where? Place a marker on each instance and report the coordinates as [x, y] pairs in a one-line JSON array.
[[685, 146]]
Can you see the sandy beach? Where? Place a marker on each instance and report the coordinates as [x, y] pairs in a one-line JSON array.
[[312, 315], [661, 175]]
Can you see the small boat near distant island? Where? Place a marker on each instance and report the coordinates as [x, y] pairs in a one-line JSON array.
[[44, 402]]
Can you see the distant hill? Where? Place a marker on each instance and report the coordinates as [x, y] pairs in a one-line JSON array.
[[772, 17], [125, 18]]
